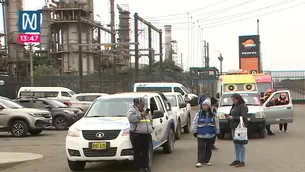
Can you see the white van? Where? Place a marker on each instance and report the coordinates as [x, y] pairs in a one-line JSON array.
[[60, 93], [166, 87]]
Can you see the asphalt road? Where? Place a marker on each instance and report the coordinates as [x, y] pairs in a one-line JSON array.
[[281, 153]]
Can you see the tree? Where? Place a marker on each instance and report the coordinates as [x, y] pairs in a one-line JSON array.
[[42, 70]]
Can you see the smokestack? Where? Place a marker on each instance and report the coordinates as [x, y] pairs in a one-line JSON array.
[[168, 42]]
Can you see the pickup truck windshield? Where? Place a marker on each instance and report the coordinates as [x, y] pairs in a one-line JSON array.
[[250, 99], [154, 89], [263, 86], [110, 107], [172, 100]]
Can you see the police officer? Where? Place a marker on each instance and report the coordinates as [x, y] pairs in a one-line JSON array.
[[140, 128]]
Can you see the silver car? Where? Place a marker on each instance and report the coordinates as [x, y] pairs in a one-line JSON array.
[[84, 100], [20, 121]]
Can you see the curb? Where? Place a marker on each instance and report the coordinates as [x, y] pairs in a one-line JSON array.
[[8, 159]]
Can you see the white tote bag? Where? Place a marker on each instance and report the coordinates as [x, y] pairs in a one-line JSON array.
[[241, 133]]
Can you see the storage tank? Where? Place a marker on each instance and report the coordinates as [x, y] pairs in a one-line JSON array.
[[45, 29]]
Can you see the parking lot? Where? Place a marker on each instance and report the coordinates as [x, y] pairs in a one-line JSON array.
[[281, 153]]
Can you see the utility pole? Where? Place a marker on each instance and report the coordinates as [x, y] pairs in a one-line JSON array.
[[136, 39], [99, 60], [220, 58], [80, 52], [113, 41], [150, 57], [260, 54], [205, 53], [31, 65], [161, 53], [208, 56]]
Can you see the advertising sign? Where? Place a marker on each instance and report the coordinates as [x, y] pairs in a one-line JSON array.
[[249, 53], [29, 22]]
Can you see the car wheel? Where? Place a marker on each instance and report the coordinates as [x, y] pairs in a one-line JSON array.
[[76, 165], [151, 154], [221, 135], [19, 128], [60, 123], [178, 131], [187, 127], [168, 146], [261, 133], [35, 132]]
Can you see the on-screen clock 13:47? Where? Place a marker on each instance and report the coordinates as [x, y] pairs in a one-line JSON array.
[[28, 38]]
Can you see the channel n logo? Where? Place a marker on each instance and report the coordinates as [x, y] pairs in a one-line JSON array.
[[29, 21]]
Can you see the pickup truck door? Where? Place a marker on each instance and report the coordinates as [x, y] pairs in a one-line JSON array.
[[157, 124], [183, 114], [276, 114], [162, 132]]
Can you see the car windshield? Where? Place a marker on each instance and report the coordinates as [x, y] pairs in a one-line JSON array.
[[110, 107], [263, 86], [11, 104], [172, 99], [154, 89], [185, 89], [72, 92], [57, 104], [250, 99]]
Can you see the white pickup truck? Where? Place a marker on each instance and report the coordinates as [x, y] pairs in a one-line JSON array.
[[183, 111], [103, 133]]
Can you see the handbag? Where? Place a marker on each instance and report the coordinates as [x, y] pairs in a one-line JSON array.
[[241, 133]]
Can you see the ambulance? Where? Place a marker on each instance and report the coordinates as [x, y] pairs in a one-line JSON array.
[[236, 81]]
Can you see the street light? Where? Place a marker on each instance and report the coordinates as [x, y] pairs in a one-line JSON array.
[[220, 58]]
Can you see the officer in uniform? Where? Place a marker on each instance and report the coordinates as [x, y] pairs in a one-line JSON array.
[[140, 128]]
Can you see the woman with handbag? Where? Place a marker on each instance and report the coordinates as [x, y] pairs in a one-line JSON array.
[[238, 111]]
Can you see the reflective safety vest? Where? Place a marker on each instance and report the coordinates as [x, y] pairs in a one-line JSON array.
[[205, 125]]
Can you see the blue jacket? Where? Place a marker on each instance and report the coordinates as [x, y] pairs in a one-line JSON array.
[[205, 127]]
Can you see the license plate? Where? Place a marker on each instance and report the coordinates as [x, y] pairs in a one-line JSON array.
[[98, 145]]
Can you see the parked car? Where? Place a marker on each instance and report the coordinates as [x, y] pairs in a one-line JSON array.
[[20, 121], [258, 114], [84, 100], [62, 115], [182, 111], [106, 126], [59, 93]]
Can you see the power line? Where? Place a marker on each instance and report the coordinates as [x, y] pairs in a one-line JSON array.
[[179, 14], [221, 24], [238, 14], [211, 12]]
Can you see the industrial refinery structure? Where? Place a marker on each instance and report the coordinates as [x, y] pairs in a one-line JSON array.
[[70, 38]]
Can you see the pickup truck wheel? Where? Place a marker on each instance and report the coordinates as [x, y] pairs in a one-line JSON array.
[[60, 123], [261, 133], [178, 131], [19, 128], [221, 135], [76, 165], [35, 132], [187, 127], [168, 146]]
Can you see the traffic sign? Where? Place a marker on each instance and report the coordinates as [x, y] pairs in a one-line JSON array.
[[29, 21]]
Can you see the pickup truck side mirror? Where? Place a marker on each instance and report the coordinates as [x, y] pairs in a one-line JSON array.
[[182, 105], [157, 114], [217, 95]]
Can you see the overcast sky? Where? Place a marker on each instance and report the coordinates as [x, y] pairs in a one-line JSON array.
[[281, 27]]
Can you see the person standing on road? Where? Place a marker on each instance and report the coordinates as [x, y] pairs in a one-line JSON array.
[[282, 100], [140, 128], [206, 126], [203, 97], [267, 95], [214, 102], [239, 108], [187, 99]]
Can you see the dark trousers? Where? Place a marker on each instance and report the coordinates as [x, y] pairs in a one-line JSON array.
[[140, 144], [204, 151], [213, 140], [285, 126], [268, 128]]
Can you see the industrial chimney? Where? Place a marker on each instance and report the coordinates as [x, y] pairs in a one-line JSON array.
[[168, 42]]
